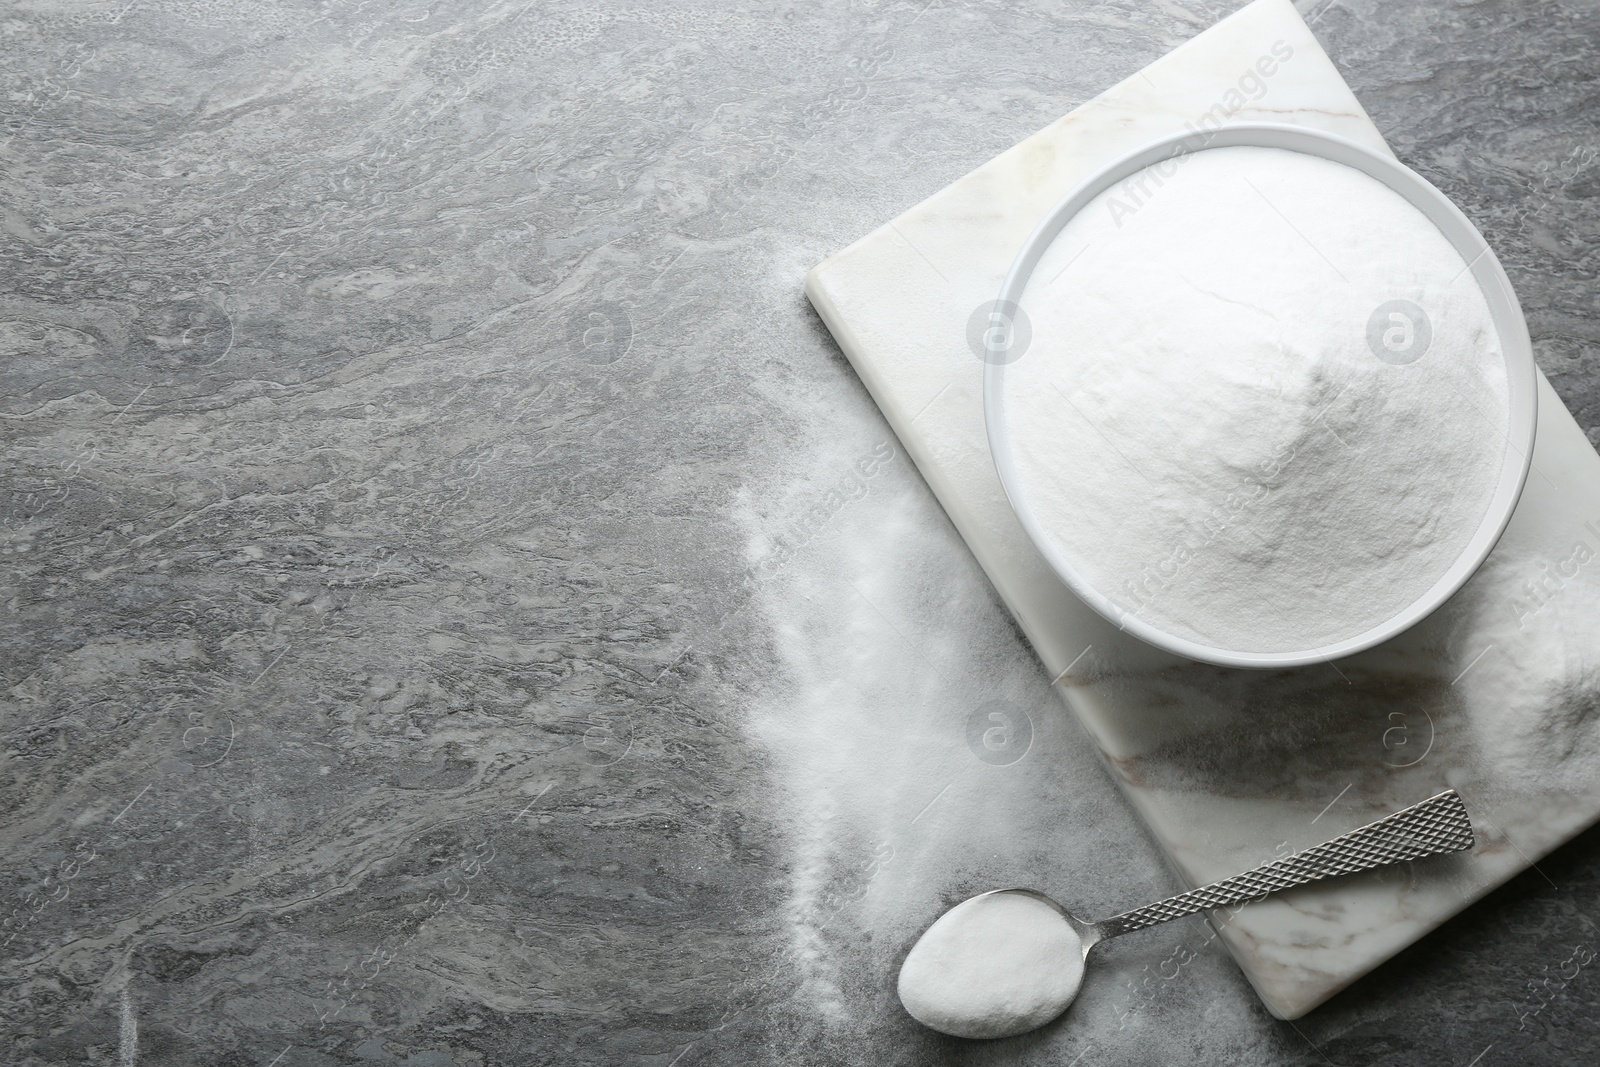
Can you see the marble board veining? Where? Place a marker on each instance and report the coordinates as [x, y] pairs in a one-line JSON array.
[[1496, 694]]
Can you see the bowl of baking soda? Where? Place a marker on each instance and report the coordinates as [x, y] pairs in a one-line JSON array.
[[1261, 396]]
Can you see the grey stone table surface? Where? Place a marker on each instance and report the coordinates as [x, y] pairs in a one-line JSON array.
[[397, 398]]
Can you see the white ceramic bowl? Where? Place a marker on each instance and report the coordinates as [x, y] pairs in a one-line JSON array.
[[1504, 311]]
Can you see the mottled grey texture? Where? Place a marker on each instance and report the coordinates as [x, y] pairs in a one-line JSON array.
[[379, 383]]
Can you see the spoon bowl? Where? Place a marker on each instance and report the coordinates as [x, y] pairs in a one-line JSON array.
[[1000, 963]]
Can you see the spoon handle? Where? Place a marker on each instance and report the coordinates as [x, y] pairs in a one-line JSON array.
[[1438, 824]]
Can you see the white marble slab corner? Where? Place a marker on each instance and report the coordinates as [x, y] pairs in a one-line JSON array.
[[1495, 694]]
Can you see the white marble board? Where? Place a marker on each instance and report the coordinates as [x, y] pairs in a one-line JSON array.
[[1495, 694]]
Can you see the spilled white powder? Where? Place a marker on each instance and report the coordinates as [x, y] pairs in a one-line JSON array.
[[1203, 426], [995, 965]]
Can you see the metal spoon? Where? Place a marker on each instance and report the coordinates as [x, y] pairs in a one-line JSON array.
[[993, 965]]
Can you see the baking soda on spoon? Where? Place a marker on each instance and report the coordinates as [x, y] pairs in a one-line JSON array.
[[1010, 960], [998, 964]]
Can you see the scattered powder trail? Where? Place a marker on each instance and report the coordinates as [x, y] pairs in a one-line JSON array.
[[888, 642], [127, 1032]]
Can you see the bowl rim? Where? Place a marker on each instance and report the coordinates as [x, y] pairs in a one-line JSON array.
[[1504, 310]]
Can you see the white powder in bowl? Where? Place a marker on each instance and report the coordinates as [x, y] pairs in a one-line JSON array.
[[998, 964], [1264, 406]]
